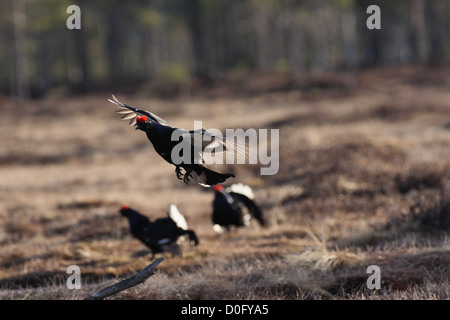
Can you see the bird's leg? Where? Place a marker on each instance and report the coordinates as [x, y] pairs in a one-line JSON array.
[[178, 172], [187, 176]]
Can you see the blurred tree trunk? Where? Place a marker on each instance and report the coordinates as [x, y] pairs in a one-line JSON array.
[[44, 67], [20, 78], [263, 42], [194, 19], [81, 78], [78, 73], [435, 15], [114, 41], [371, 41], [418, 32], [349, 40], [152, 52]]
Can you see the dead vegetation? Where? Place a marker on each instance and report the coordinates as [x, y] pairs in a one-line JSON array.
[[364, 180]]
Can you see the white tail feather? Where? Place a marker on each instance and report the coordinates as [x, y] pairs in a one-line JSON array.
[[241, 189], [177, 217]]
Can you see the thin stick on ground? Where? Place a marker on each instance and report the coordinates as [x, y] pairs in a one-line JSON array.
[[134, 280]]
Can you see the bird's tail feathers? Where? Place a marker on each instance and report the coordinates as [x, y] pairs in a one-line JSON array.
[[177, 217], [241, 189], [209, 178]]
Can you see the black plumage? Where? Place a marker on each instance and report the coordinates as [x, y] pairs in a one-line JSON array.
[[162, 234], [235, 207], [160, 135]]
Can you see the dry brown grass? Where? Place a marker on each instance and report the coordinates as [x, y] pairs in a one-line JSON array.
[[364, 179]]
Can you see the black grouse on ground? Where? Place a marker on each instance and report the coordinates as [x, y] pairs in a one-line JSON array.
[[160, 135], [234, 206], [162, 234]]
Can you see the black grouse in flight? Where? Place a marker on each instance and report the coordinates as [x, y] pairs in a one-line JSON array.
[[162, 234], [160, 135], [234, 206]]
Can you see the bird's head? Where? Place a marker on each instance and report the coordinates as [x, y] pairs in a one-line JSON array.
[[142, 123], [125, 210], [218, 188]]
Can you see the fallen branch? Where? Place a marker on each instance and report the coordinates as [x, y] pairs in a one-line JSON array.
[[138, 278]]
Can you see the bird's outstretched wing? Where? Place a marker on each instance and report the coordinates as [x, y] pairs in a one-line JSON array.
[[215, 142], [245, 194], [130, 112]]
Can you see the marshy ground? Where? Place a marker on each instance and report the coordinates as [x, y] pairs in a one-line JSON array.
[[364, 180]]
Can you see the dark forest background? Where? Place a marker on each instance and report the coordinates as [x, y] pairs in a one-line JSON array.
[[176, 42]]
